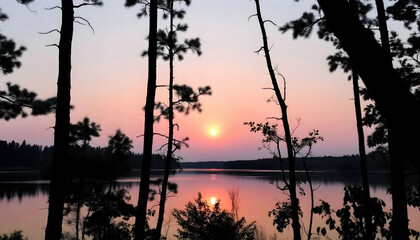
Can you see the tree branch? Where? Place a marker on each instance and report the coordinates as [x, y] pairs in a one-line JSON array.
[[86, 4], [51, 8], [52, 45], [54, 30], [77, 17]]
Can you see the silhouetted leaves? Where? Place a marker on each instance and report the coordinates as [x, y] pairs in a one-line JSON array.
[[350, 216], [282, 215], [199, 221], [14, 100], [84, 131], [16, 235]]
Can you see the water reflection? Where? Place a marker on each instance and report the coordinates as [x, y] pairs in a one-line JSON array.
[[20, 185], [256, 195]]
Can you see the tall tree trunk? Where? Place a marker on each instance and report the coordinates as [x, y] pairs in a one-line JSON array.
[[171, 127], [58, 184], [148, 126], [391, 94], [292, 161], [399, 225], [369, 231]]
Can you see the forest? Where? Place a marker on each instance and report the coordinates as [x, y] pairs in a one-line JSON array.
[[381, 64]]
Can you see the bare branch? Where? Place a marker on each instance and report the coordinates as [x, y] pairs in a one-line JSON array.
[[270, 22], [86, 4], [55, 7], [27, 6], [259, 50], [284, 84], [275, 118], [254, 15], [54, 30], [77, 17], [161, 86], [52, 45], [297, 126]]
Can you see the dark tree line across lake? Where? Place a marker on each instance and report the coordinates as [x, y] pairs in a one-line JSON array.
[[15, 156]]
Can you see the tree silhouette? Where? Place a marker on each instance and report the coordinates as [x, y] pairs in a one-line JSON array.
[[168, 48], [100, 166], [62, 121], [303, 27], [284, 210], [139, 231], [199, 221], [84, 131], [288, 139], [376, 70]]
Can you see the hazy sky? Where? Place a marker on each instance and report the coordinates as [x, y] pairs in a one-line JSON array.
[[109, 77]]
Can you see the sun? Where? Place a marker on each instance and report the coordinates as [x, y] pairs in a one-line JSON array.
[[212, 200], [213, 132]]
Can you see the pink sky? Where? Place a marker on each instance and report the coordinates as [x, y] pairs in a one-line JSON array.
[[109, 77]]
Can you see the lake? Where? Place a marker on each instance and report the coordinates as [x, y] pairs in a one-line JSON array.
[[23, 198]]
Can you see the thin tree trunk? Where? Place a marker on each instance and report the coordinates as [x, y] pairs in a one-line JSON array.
[[58, 184], [308, 176], [369, 232], [148, 127], [292, 161], [171, 127]]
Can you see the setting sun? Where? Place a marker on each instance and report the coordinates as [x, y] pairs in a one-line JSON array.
[[213, 201], [213, 132]]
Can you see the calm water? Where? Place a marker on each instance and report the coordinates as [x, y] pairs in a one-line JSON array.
[[23, 201]]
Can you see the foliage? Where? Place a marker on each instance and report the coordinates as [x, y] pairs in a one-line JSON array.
[[106, 208], [282, 215], [199, 221], [405, 52], [271, 135], [16, 235], [14, 100], [84, 131], [9, 53], [350, 216]]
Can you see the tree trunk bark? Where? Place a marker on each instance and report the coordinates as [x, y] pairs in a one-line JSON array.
[[292, 161], [171, 128], [148, 127], [58, 184]]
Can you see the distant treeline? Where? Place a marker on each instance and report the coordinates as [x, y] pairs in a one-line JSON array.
[[327, 163], [15, 156]]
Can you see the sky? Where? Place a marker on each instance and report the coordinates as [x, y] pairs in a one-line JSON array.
[[109, 77]]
